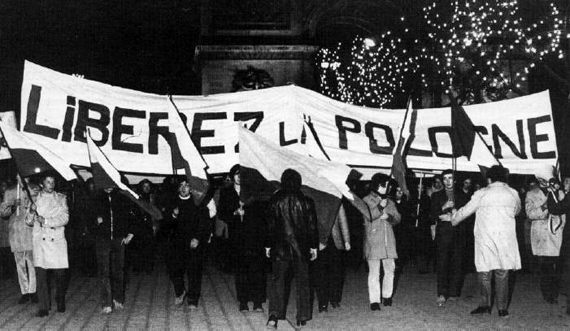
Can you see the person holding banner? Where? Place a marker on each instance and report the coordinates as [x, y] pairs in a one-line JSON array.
[[187, 228], [496, 246], [49, 215], [246, 233], [380, 242], [16, 205], [113, 231], [292, 241], [450, 241]]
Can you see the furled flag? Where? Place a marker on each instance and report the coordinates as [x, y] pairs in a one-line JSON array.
[[466, 141], [405, 133], [185, 155], [262, 164], [105, 175], [31, 157]]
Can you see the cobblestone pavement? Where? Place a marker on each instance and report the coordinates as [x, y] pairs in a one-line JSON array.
[[150, 306]]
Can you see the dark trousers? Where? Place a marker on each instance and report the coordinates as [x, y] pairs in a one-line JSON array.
[[189, 262], [43, 287], [450, 245], [141, 253], [251, 280], [280, 287], [549, 278], [329, 275], [7, 264], [111, 263], [501, 288]]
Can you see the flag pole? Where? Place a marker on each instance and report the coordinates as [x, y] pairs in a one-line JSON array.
[[419, 198]]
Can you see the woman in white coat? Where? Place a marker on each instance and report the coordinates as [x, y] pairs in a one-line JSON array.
[[496, 247], [49, 215]]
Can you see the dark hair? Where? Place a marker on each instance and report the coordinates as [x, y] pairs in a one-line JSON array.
[[291, 180], [377, 180], [497, 174], [447, 172], [234, 170]]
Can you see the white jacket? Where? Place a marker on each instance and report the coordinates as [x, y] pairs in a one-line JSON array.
[[50, 246], [544, 240], [495, 208]]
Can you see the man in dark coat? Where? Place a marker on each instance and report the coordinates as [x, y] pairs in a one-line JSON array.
[[292, 241], [450, 241], [113, 230], [187, 228], [246, 231]]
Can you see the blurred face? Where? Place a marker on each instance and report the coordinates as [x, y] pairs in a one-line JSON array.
[[184, 189], [34, 191], [146, 188], [3, 186], [467, 184], [399, 193], [542, 182], [237, 178], [448, 181], [48, 184], [566, 183], [437, 184]]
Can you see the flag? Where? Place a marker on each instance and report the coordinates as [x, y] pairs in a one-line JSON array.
[[406, 131], [185, 155], [31, 157], [105, 175], [466, 141], [8, 118], [262, 164]]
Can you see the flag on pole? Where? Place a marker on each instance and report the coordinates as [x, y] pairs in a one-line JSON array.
[[8, 118], [31, 157], [468, 142], [262, 164], [185, 155], [405, 133], [105, 175]]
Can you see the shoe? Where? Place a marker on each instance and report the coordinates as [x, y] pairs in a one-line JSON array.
[[25, 298], [258, 308], [387, 302], [482, 310], [452, 298], [61, 306], [180, 299], [335, 304], [503, 313], [272, 322], [243, 306], [375, 306], [323, 308], [118, 305], [42, 313], [106, 310], [192, 306], [33, 297], [301, 323], [441, 301]]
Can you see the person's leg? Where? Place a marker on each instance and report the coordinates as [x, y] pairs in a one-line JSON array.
[[23, 281], [241, 281], [258, 282], [29, 257], [61, 288], [118, 271], [502, 288], [374, 281], [279, 289], [337, 276], [301, 270], [444, 242], [389, 266], [42, 289], [456, 264], [194, 271], [103, 252], [321, 279], [485, 288]]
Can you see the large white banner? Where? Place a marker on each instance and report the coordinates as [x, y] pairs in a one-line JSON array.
[[130, 126]]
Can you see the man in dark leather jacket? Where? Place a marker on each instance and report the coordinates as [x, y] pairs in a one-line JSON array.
[[292, 242]]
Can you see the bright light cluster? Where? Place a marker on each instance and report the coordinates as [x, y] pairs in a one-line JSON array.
[[482, 33], [371, 75]]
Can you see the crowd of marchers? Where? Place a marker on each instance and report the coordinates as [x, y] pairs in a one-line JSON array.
[[452, 225]]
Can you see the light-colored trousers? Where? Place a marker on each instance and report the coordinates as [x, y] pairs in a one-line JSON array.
[[26, 271], [374, 290]]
